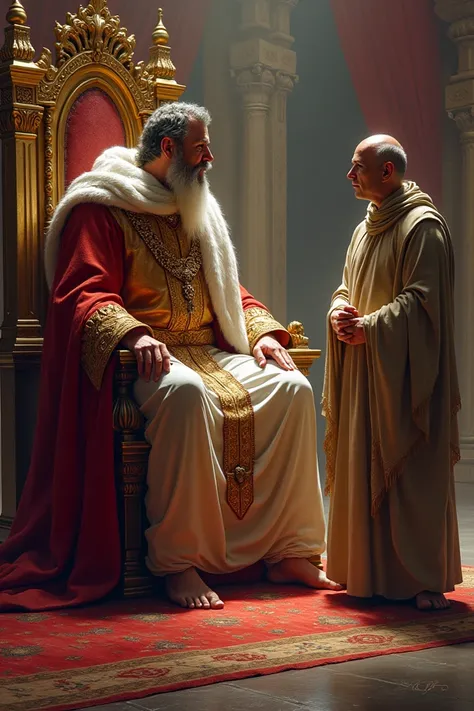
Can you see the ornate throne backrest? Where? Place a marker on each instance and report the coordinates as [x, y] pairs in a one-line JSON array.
[[56, 115]]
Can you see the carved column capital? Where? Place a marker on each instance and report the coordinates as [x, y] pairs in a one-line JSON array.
[[285, 82], [460, 89], [454, 10], [19, 111], [27, 120], [464, 120], [262, 61], [19, 77], [461, 30], [20, 120], [256, 84]]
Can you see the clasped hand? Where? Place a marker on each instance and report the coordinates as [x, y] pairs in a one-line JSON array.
[[348, 325]]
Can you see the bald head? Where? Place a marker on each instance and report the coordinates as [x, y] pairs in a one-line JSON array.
[[386, 149], [378, 167], [379, 139]]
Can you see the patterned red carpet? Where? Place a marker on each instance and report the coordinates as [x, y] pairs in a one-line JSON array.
[[126, 650]]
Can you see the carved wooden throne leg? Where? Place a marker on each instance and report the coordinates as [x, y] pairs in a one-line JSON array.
[[131, 461]]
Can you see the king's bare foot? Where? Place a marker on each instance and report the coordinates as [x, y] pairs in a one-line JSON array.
[[427, 600], [300, 570], [187, 589]]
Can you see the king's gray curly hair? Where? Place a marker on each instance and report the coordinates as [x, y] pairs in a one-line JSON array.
[[169, 120]]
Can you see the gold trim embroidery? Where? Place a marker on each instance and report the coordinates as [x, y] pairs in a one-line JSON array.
[[103, 331], [259, 322], [168, 232], [201, 337], [184, 269], [238, 431], [198, 314], [177, 243]]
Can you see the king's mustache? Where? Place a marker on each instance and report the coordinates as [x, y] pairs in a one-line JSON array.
[[205, 165]]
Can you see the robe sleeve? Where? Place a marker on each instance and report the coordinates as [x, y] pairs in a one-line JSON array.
[[410, 354], [340, 298], [260, 322], [93, 249]]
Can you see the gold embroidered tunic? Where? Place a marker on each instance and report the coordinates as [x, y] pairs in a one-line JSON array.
[[151, 293]]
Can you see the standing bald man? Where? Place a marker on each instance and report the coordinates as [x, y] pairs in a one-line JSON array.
[[391, 393]]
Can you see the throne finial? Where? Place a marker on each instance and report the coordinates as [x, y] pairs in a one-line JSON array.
[[16, 14], [160, 65], [17, 46], [160, 33]]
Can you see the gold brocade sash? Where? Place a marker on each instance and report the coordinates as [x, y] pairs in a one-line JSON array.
[[238, 427], [202, 337]]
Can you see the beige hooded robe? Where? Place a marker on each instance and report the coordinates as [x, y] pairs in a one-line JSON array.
[[391, 407]]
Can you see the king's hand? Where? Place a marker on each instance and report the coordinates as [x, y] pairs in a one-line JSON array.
[[267, 347], [152, 356]]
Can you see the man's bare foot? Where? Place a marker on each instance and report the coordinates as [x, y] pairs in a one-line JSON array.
[[427, 600], [189, 590], [300, 570]]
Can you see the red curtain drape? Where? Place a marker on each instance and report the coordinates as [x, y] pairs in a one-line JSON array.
[[392, 52], [184, 19]]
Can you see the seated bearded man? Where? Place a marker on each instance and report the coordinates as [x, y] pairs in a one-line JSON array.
[[139, 250]]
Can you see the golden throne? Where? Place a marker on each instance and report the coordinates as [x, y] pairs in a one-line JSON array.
[[92, 82]]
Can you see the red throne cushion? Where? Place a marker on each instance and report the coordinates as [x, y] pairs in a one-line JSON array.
[[93, 125]]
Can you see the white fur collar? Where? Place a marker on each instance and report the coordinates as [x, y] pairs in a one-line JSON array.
[[116, 181]]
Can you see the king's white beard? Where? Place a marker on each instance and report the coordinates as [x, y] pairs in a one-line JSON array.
[[192, 199]]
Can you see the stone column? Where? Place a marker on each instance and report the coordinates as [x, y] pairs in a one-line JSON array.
[[256, 85], [285, 81], [220, 97], [264, 67], [460, 106]]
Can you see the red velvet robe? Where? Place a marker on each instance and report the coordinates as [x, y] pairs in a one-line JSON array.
[[64, 546]]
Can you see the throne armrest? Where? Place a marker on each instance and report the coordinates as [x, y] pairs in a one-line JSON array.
[[128, 419], [303, 356]]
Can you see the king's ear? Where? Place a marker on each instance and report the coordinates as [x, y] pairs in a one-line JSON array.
[[167, 147]]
